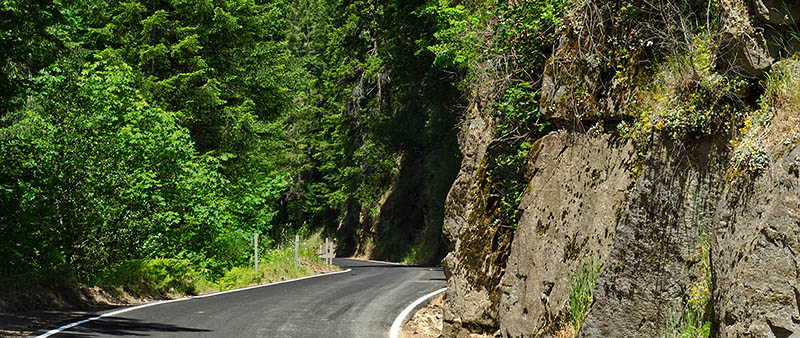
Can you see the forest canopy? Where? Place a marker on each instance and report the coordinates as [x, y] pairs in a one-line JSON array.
[[173, 128]]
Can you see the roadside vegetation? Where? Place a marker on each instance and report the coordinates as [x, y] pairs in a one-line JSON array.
[[773, 126], [163, 278], [144, 142]]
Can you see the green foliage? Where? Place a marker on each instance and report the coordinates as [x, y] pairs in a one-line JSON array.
[[507, 175], [29, 41], [687, 324], [773, 124], [177, 129], [519, 112], [689, 98], [506, 41], [275, 265], [159, 277], [164, 277], [116, 179], [457, 34], [220, 65], [95, 163], [238, 277], [580, 291], [527, 31]]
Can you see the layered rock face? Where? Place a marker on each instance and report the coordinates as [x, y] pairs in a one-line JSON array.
[[582, 202], [579, 184], [655, 259], [664, 218]]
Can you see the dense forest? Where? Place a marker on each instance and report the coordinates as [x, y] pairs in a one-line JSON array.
[[144, 129]]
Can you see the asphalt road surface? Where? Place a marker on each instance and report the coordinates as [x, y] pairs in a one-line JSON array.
[[361, 303]]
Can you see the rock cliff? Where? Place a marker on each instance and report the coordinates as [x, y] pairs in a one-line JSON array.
[[696, 227], [573, 203], [478, 249]]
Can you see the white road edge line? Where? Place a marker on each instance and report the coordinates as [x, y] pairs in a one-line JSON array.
[[109, 314], [398, 322]]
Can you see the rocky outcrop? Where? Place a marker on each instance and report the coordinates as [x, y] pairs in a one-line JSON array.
[[577, 190], [754, 33], [777, 12], [747, 49], [478, 248], [654, 260], [667, 221], [756, 249]]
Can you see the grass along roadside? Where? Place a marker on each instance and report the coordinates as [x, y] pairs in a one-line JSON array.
[[168, 277], [51, 301]]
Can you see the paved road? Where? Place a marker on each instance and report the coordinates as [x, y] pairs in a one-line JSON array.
[[360, 303]]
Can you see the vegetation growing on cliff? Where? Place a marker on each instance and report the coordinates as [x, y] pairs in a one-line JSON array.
[[671, 71], [692, 316], [774, 124], [502, 47], [580, 292]]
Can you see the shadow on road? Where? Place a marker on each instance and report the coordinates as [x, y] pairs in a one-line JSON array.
[[116, 326]]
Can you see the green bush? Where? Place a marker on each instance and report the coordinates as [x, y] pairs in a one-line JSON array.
[[238, 277]]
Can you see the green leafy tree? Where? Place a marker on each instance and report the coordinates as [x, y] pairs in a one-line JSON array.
[[90, 170]]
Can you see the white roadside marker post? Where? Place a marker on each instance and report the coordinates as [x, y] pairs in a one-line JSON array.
[[296, 248], [326, 251], [255, 248]]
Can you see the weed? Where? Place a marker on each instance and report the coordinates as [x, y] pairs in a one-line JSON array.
[[580, 292], [164, 277], [688, 97], [693, 318], [419, 253], [687, 323]]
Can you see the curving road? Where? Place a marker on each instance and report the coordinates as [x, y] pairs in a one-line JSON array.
[[361, 303]]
